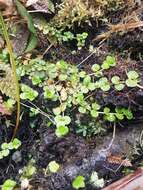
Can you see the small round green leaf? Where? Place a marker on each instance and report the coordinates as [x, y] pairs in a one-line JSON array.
[[94, 113], [95, 106], [119, 87], [4, 146], [5, 152], [62, 120], [105, 65], [16, 143], [131, 82], [105, 87], [119, 116], [132, 75], [78, 182], [106, 110], [53, 166], [62, 131], [8, 185], [110, 117], [82, 109], [63, 77], [95, 67], [115, 80]]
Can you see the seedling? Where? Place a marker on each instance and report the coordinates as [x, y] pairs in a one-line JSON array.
[[7, 147], [78, 182], [53, 166], [95, 181], [110, 61], [9, 185], [118, 84], [28, 93], [133, 79]]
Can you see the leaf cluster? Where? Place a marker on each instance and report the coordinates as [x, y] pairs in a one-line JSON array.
[[7, 147], [68, 87]]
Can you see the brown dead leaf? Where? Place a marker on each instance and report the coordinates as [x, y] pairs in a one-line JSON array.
[[20, 39], [63, 94], [119, 160], [45, 6], [7, 6], [3, 109], [1, 43]]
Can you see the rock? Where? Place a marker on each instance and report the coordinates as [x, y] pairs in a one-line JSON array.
[[17, 157]]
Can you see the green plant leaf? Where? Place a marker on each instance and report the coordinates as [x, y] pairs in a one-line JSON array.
[[28, 93], [119, 116], [63, 77], [131, 82], [36, 80], [9, 185], [24, 13], [87, 80], [32, 43], [84, 89], [95, 181], [5, 152], [132, 75], [106, 110], [111, 60], [53, 166], [51, 7], [82, 109], [119, 87], [62, 120], [110, 117], [115, 80], [29, 170], [82, 74], [95, 106], [57, 110], [91, 86], [94, 113], [62, 65], [61, 131], [10, 146], [4, 146], [105, 65], [16, 143], [95, 67], [49, 93], [127, 113], [105, 87], [104, 84], [78, 182], [9, 103]]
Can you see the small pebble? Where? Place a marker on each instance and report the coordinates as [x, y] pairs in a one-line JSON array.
[[17, 157], [24, 184]]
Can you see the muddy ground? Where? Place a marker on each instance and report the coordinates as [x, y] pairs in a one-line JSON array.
[[75, 153]]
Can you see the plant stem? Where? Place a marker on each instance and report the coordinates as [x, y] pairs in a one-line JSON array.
[[139, 86], [13, 65]]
